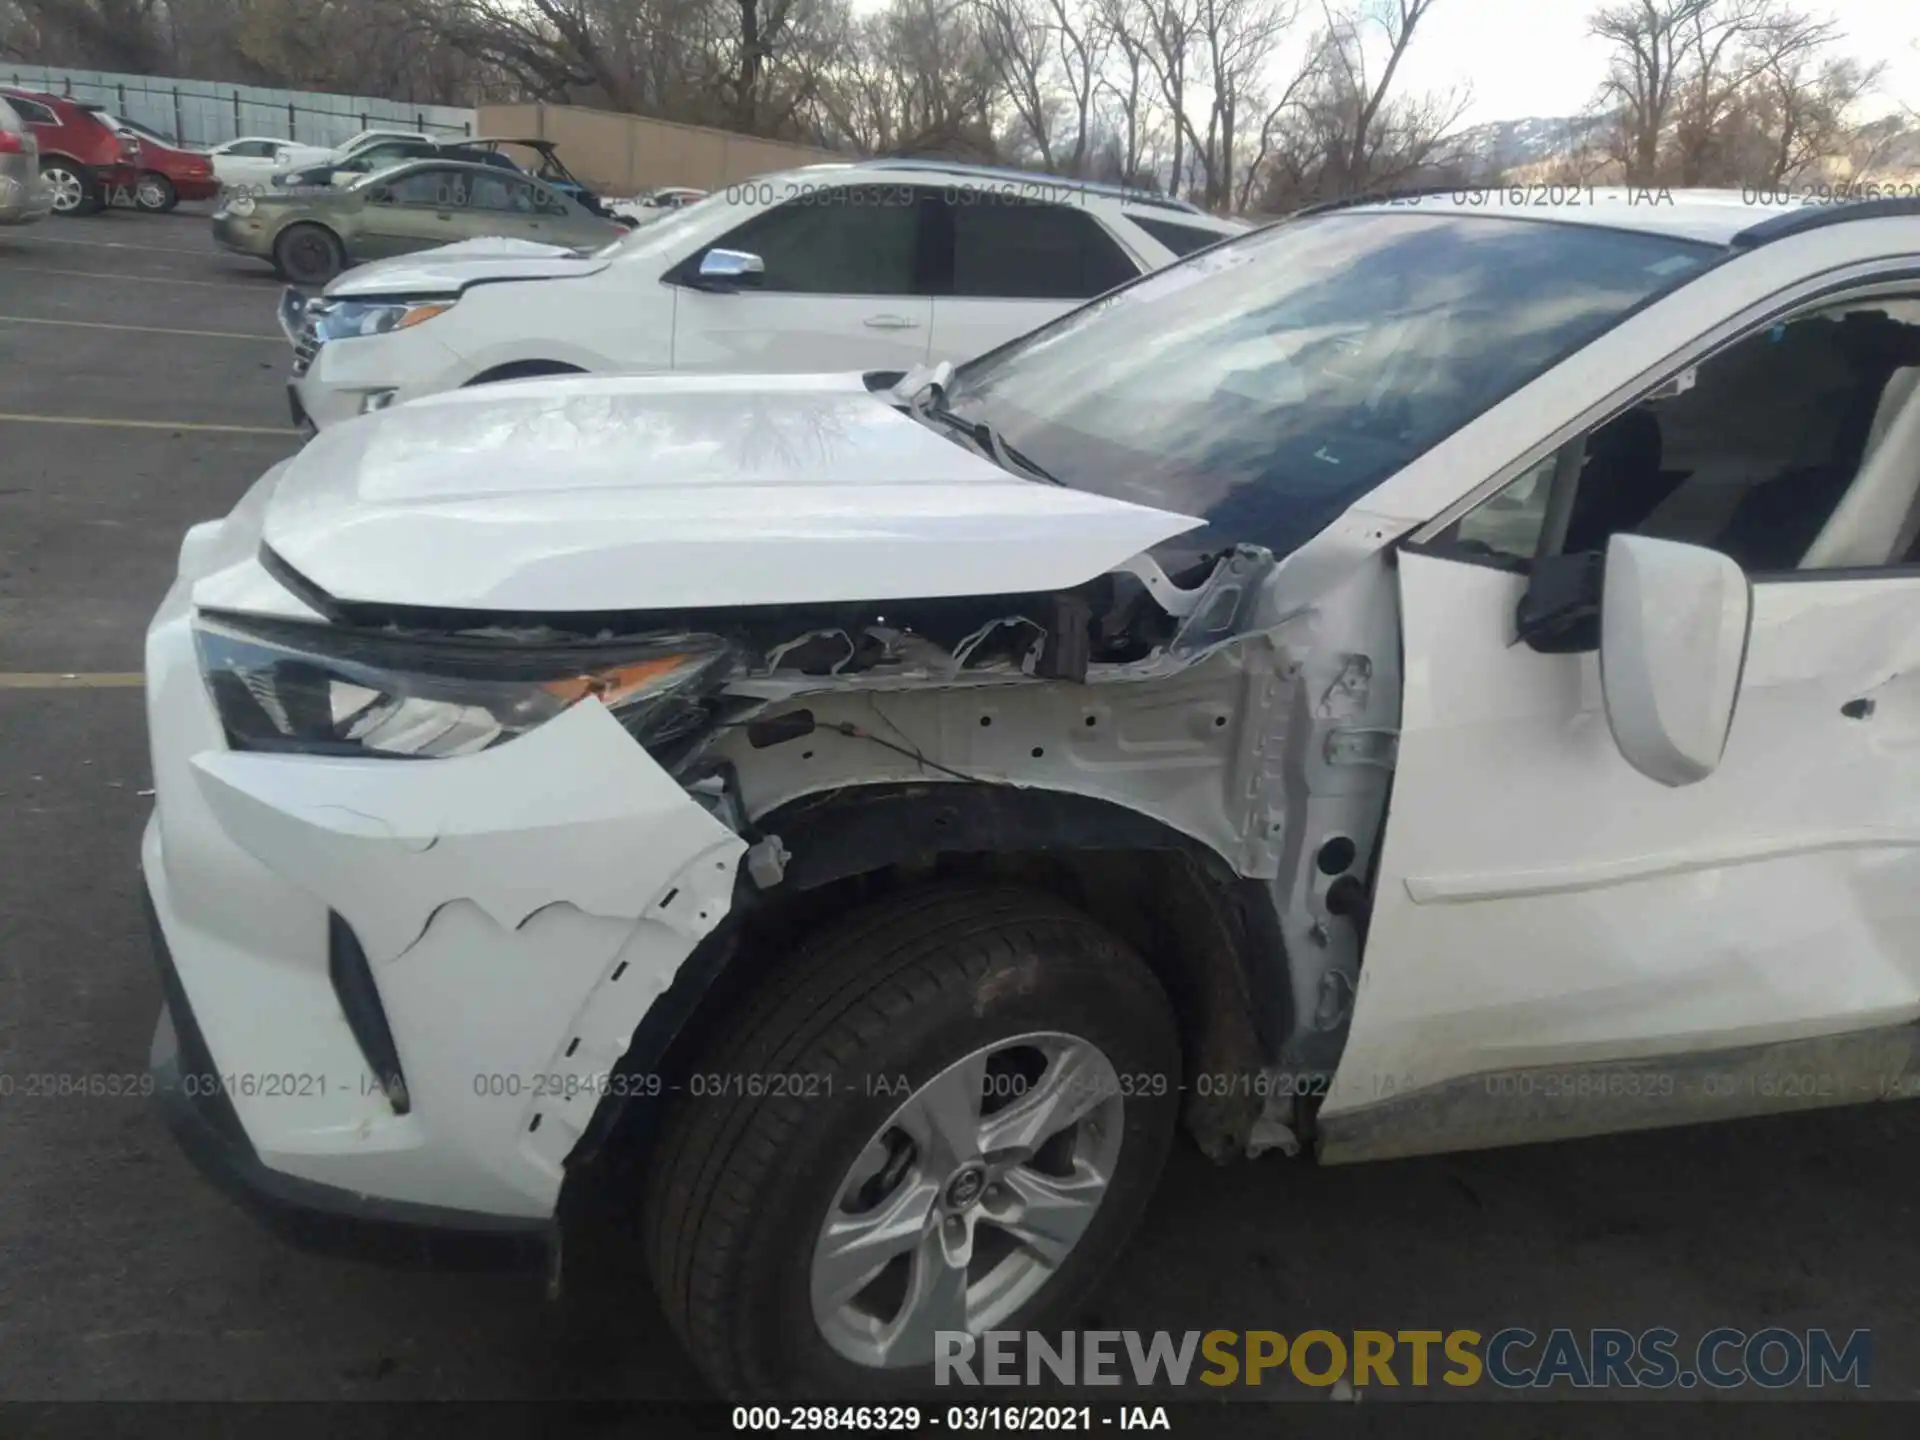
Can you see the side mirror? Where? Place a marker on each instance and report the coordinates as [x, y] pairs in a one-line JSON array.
[[730, 269], [1674, 621]]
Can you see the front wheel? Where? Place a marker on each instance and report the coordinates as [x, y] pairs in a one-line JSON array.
[[74, 189], [155, 193], [945, 1114], [308, 254]]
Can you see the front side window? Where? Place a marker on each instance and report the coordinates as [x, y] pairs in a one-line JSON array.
[[1269, 383], [849, 240], [1796, 447]]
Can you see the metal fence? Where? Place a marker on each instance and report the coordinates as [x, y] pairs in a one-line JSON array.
[[201, 112]]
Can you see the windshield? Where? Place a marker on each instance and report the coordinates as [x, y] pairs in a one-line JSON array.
[[1267, 384]]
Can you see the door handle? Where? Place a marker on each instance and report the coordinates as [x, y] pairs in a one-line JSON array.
[[890, 322], [443, 215]]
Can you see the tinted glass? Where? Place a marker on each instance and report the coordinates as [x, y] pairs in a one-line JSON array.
[[1180, 239], [1028, 250], [33, 112], [854, 240], [1270, 382]]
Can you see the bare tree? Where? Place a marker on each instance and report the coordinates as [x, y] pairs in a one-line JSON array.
[[1018, 38], [1650, 40], [1124, 78], [1341, 130]]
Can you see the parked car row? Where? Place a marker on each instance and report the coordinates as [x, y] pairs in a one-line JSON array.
[[83, 159], [863, 814], [24, 196], [884, 264]]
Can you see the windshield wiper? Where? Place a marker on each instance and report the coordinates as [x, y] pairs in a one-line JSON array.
[[988, 440]]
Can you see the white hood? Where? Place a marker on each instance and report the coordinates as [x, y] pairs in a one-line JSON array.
[[678, 492], [449, 269]]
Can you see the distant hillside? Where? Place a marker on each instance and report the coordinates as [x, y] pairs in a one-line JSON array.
[[1501, 145], [1888, 149]]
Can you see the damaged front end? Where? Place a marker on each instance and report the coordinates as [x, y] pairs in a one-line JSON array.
[[540, 909]]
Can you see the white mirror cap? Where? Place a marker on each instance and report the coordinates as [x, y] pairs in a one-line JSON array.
[[1673, 642]]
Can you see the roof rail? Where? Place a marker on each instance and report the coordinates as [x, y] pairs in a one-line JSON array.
[[1380, 197], [1001, 172], [1818, 217]]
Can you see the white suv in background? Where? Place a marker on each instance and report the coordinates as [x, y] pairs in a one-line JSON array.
[[883, 265]]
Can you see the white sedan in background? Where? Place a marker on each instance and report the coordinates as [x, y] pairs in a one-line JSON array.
[[255, 159], [878, 266]]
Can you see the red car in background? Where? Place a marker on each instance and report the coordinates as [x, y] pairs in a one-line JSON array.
[[83, 158], [169, 173]]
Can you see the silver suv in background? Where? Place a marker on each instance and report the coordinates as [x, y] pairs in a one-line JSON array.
[[24, 197]]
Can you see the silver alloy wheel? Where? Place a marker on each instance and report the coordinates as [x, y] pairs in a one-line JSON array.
[[969, 1199], [68, 189], [150, 194]]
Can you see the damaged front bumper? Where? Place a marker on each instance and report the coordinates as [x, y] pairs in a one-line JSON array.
[[510, 917]]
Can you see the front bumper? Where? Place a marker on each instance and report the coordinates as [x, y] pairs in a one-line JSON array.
[[193, 1098], [340, 375], [518, 912], [22, 202]]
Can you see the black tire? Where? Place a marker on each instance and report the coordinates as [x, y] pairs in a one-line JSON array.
[[76, 192], [154, 193], [739, 1185], [308, 254]]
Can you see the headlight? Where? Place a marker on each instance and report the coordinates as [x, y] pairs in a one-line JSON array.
[[240, 205], [350, 318], [289, 686]]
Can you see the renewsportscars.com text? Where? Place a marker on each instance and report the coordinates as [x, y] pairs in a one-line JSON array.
[[1514, 1358]]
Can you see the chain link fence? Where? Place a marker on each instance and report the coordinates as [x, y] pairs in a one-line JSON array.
[[201, 112]]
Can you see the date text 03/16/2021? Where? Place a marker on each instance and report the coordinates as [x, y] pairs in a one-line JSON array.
[[955, 1419]]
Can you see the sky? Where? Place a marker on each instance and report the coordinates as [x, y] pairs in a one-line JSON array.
[[1534, 57], [1521, 58]]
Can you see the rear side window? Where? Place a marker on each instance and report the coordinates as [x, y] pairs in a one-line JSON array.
[[33, 112], [1019, 249], [444, 188], [1180, 239]]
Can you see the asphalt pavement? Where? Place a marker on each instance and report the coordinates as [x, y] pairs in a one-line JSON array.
[[140, 391]]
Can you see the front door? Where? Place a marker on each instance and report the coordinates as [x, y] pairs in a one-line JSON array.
[[1559, 945], [844, 288]]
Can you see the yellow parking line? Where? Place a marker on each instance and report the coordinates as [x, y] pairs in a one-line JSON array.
[[134, 279], [95, 680], [147, 424], [142, 329]]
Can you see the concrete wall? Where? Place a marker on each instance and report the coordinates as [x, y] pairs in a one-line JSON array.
[[620, 155], [205, 112]]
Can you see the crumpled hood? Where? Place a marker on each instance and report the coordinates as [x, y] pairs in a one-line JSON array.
[[449, 269], [678, 492]]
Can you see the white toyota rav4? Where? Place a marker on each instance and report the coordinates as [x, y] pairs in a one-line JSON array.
[[834, 267], [1417, 676]]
